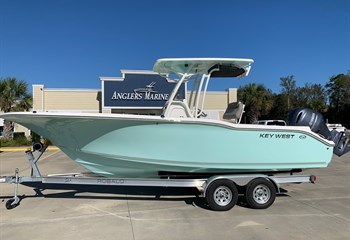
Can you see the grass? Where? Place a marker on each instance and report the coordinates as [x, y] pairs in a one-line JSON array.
[[19, 141], [22, 141]]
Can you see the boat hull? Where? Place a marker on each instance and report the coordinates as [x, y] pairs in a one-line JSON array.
[[122, 146]]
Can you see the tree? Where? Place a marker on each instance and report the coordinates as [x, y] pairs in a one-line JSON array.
[[289, 89], [312, 96], [13, 97], [279, 108], [258, 100], [338, 90]]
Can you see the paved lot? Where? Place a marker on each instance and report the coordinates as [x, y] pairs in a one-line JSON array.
[[307, 211]]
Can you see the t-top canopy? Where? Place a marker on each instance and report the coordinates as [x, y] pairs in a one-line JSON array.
[[224, 67]]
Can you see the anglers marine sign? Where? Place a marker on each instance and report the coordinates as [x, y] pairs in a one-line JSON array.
[[138, 90]]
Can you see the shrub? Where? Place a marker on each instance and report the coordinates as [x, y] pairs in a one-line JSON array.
[[18, 141]]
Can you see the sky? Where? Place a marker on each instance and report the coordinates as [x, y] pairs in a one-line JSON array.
[[71, 43]]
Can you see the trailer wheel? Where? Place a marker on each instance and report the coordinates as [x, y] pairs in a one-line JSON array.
[[261, 193], [9, 204], [222, 195]]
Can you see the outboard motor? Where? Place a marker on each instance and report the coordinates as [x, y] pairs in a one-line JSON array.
[[313, 119]]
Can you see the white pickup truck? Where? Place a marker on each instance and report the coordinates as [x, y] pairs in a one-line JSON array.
[[272, 122], [336, 126]]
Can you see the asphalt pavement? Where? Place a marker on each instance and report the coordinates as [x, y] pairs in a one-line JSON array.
[[305, 211]]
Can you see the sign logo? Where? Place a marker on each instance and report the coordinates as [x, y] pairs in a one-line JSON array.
[[149, 88]]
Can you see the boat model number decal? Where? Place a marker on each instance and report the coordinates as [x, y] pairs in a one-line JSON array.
[[276, 135]]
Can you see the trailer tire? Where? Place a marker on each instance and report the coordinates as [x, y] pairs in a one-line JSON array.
[[260, 193], [9, 204], [222, 195]]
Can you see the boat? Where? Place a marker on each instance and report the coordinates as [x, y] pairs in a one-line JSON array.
[[181, 140]]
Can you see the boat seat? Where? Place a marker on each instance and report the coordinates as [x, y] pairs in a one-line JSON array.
[[178, 108], [234, 112]]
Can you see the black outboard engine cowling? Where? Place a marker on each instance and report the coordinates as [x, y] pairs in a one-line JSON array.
[[313, 119], [308, 117]]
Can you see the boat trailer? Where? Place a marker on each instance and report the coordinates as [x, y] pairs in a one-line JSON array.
[[220, 191]]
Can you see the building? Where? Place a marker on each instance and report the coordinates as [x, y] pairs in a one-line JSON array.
[[135, 92]]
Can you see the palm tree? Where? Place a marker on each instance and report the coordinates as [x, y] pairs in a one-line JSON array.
[[257, 99], [13, 97], [289, 88]]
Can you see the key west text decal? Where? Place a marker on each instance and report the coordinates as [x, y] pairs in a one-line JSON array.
[[276, 135]]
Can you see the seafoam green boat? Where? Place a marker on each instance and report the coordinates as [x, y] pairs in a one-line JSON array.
[[180, 140]]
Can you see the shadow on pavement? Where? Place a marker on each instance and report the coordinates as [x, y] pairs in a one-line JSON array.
[[188, 195]]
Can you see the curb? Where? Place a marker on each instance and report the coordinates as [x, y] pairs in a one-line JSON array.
[[24, 149]]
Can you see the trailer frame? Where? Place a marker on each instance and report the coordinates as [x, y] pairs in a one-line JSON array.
[[222, 198]]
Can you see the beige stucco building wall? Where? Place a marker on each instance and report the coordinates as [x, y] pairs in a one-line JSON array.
[[73, 100], [90, 100]]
